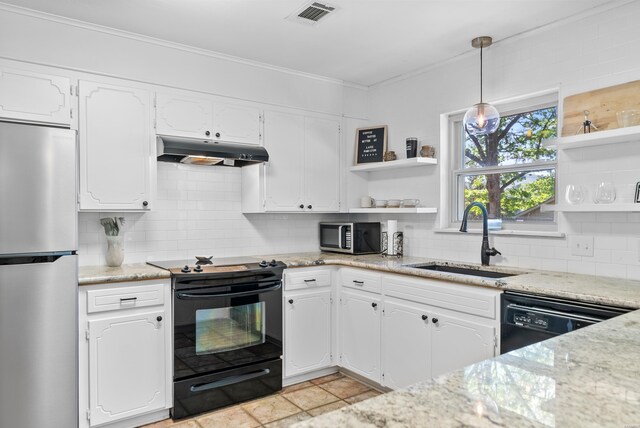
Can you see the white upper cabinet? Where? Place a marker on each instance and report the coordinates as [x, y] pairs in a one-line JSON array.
[[322, 166], [183, 115], [303, 172], [35, 97], [284, 140], [117, 148], [236, 123]]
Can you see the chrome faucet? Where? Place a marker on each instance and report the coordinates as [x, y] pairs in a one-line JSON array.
[[485, 252]]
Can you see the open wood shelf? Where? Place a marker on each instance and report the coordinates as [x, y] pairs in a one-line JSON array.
[[418, 210], [592, 208], [596, 138], [400, 163]]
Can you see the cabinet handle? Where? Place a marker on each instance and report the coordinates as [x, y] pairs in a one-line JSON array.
[[291, 301], [309, 206], [207, 133], [434, 320], [128, 299], [301, 206], [159, 318], [145, 203], [309, 280], [358, 282], [425, 317], [374, 305], [217, 135]]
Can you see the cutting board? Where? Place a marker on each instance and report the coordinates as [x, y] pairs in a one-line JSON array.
[[603, 104]]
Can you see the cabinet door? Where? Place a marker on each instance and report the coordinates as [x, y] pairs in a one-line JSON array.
[[127, 366], [322, 164], [184, 116], [307, 323], [117, 148], [406, 340], [284, 174], [35, 97], [360, 334], [458, 342], [236, 123]]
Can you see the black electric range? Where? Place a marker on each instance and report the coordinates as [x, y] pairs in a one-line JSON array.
[[227, 331]]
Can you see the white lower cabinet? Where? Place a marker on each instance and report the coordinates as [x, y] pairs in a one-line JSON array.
[[307, 317], [457, 342], [125, 354], [406, 336], [360, 333]]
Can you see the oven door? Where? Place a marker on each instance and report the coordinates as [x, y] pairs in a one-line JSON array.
[[336, 237], [222, 327]]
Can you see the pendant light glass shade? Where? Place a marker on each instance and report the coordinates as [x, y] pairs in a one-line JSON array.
[[481, 119]]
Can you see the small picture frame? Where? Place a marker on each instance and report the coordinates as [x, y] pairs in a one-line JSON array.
[[637, 198], [371, 144]]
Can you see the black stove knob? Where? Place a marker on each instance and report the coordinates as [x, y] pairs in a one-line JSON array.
[[264, 264], [198, 268], [186, 269], [273, 262]]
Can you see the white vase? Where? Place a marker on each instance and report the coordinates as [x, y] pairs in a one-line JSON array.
[[115, 250]]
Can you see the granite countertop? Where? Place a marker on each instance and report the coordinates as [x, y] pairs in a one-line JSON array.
[[88, 275], [586, 378], [585, 288]]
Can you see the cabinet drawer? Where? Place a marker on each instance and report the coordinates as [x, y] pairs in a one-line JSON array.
[[125, 297], [461, 298], [361, 280], [307, 279]]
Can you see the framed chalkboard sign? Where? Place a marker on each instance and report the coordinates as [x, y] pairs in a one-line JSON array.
[[371, 143]]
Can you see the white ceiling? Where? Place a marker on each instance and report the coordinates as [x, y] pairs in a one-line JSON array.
[[363, 41]]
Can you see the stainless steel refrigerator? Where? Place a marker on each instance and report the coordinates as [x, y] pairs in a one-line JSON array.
[[38, 277]]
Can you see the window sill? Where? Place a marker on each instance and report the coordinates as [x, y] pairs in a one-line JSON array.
[[526, 233]]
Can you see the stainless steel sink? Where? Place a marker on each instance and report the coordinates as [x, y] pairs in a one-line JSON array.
[[463, 271]]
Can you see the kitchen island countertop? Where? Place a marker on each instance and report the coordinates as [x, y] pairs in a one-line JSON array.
[[586, 378]]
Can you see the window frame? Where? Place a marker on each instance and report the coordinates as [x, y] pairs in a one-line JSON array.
[[453, 185]]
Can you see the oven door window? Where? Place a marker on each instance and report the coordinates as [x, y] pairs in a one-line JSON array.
[[329, 236], [230, 328]]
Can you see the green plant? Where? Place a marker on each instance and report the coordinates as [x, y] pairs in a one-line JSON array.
[[112, 225]]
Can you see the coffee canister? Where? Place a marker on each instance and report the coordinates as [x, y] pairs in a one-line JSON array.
[[412, 147]]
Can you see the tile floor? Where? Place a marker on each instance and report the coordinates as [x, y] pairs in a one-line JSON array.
[[293, 404]]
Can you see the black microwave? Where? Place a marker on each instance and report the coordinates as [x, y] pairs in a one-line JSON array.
[[351, 238]]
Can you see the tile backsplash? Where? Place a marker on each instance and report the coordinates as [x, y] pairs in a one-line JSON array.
[[198, 212]]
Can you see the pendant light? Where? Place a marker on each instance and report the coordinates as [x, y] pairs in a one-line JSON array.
[[482, 118]]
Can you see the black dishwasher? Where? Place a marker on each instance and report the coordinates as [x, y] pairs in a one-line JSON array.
[[528, 319]]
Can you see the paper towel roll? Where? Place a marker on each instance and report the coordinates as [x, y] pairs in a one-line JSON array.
[[392, 228]]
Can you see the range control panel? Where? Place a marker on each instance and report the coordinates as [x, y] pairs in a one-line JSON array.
[[530, 320]]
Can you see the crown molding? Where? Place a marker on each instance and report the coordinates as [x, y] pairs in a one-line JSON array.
[[528, 33], [171, 45]]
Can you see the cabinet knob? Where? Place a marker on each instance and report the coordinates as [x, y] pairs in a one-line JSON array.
[[309, 206], [207, 133], [301, 206], [291, 301], [159, 318], [374, 305], [217, 135], [425, 317], [434, 320], [145, 203]]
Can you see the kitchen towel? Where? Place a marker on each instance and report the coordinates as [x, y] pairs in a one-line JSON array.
[[392, 228]]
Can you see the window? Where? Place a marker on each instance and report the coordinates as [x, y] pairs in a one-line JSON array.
[[510, 171]]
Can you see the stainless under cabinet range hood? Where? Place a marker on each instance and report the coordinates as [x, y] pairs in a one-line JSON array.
[[208, 152]]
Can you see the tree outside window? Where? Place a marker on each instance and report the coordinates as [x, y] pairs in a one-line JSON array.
[[511, 171]]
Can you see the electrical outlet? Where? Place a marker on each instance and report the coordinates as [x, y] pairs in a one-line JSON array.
[[581, 245]]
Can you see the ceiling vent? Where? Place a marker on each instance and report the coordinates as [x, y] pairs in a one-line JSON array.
[[310, 14]]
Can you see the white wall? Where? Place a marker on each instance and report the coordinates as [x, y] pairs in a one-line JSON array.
[[591, 52], [198, 210]]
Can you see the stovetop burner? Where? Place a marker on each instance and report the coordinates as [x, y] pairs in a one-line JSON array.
[[200, 265]]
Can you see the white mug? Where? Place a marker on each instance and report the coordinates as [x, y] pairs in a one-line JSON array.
[[367, 202]]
